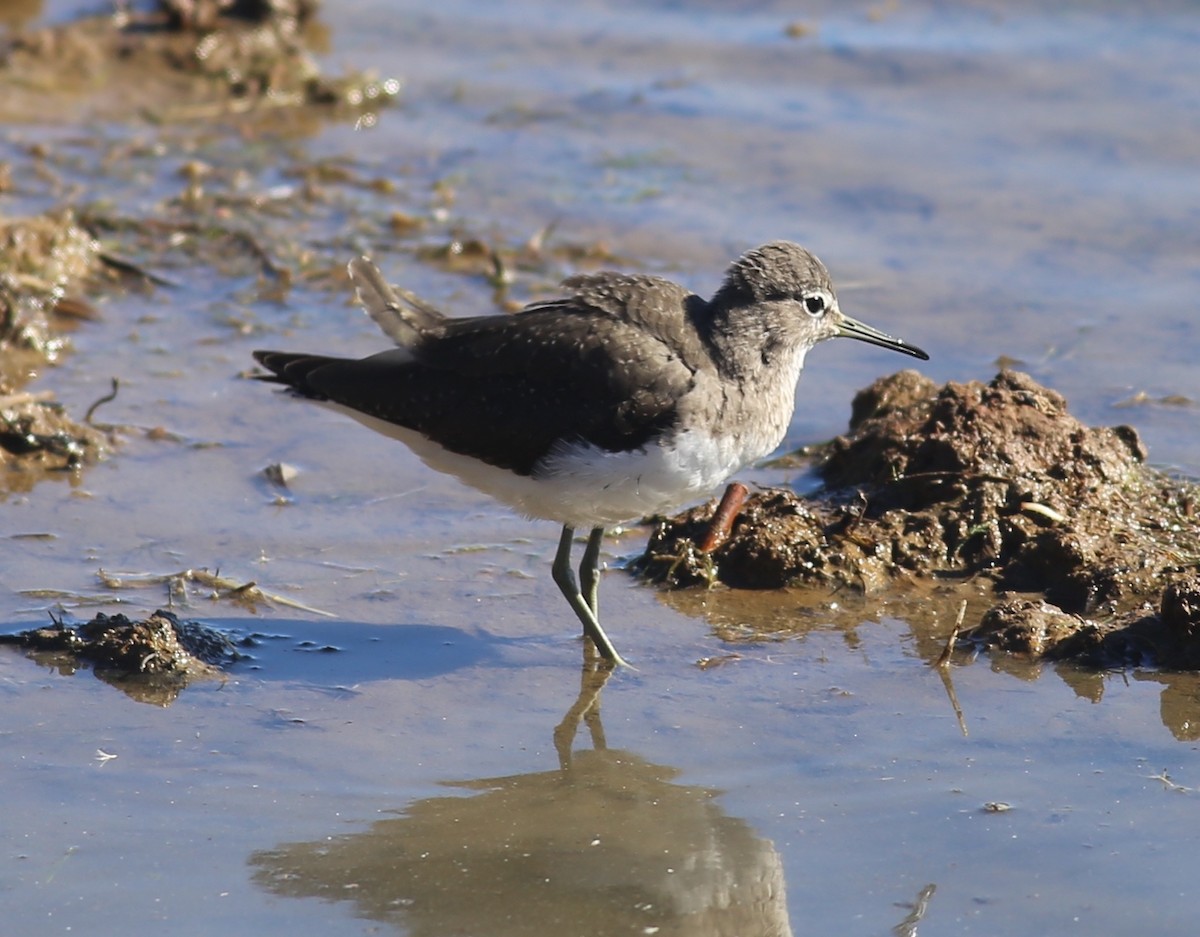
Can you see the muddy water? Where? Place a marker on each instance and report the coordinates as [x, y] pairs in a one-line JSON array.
[[986, 181]]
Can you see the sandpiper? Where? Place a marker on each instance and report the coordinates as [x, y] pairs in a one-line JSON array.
[[627, 397]]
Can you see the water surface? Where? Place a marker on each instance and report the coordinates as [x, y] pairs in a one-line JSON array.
[[988, 181]]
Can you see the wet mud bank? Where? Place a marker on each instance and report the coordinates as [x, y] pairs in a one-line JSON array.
[[1091, 554], [174, 63], [87, 219]]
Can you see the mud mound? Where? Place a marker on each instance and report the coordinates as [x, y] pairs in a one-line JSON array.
[[964, 480], [1167, 636], [151, 659]]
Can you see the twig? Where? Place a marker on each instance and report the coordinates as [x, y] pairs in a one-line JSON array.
[[943, 660], [1034, 507], [247, 592], [107, 398], [908, 927], [943, 668], [123, 265]]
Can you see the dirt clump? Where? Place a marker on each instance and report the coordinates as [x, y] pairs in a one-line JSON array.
[[152, 659], [46, 263], [1168, 635], [38, 436], [969, 480], [181, 60]]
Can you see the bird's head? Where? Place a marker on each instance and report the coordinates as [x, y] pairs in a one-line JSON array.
[[785, 277]]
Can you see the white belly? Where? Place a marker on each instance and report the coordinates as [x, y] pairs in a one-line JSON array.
[[585, 486]]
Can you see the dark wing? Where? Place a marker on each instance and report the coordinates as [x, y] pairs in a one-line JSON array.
[[506, 389], [656, 307]]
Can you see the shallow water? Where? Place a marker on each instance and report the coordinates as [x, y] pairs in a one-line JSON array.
[[986, 181]]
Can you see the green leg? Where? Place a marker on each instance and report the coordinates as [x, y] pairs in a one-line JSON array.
[[564, 577], [589, 571]]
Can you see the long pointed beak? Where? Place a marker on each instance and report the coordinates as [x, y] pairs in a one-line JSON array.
[[852, 328]]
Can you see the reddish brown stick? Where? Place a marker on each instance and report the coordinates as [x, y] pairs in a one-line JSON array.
[[727, 512]]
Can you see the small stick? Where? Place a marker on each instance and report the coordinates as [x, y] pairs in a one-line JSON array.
[[727, 511], [107, 398], [944, 658]]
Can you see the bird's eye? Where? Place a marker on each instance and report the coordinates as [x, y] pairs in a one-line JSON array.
[[814, 304]]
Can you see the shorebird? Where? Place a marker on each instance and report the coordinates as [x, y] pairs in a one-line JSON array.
[[628, 396]]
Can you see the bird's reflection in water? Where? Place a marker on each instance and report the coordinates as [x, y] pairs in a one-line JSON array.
[[605, 844]]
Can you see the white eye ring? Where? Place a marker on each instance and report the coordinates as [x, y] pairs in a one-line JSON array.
[[815, 304]]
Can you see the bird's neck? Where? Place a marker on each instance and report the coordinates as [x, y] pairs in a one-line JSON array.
[[758, 345], [759, 360]]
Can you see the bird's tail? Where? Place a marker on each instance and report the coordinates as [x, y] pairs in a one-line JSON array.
[[404, 317]]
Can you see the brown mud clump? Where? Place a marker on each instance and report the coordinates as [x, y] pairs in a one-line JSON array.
[[151, 659], [182, 60], [46, 263], [971, 480], [37, 436]]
